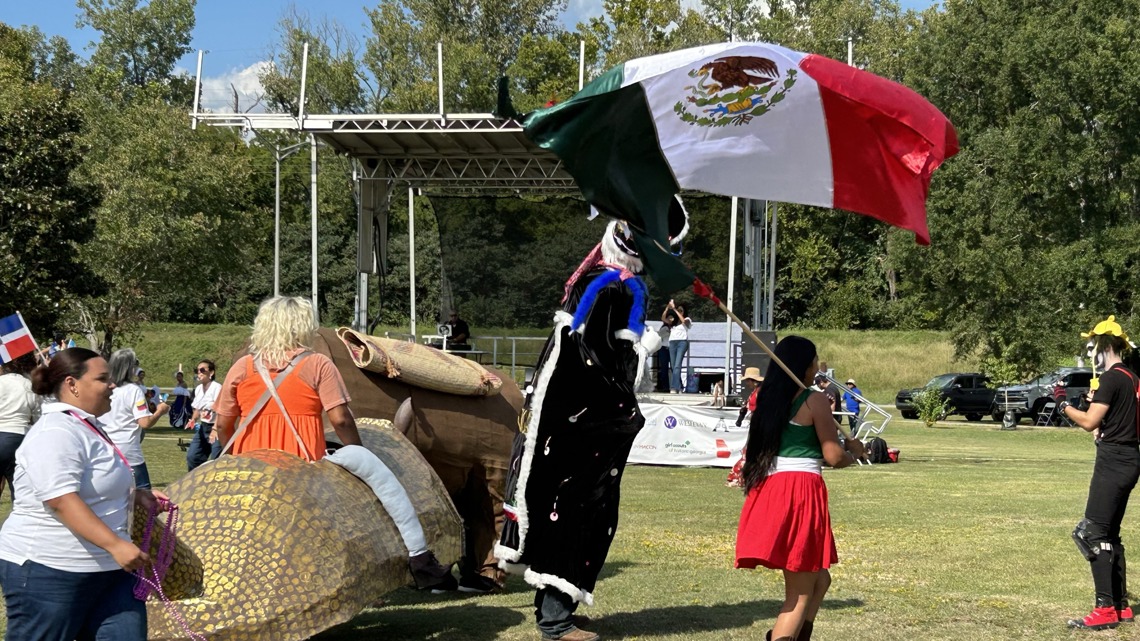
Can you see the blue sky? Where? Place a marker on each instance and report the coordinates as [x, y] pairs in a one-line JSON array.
[[238, 34]]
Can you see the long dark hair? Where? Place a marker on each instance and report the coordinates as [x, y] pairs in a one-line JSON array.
[[773, 403]]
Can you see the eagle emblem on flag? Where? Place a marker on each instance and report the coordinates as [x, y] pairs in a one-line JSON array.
[[732, 90]]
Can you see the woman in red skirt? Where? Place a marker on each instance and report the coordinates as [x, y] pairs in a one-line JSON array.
[[785, 524]]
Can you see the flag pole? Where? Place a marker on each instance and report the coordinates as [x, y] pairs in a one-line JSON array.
[[39, 353], [705, 291]]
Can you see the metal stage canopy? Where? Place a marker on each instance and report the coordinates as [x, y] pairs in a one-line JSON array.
[[443, 154]]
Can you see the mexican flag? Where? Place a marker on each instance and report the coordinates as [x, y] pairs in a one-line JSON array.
[[753, 120]]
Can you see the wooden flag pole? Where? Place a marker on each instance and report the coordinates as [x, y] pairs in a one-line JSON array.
[[705, 291]]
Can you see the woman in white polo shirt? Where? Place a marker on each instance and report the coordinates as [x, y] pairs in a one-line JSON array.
[[65, 546], [130, 414], [19, 408]]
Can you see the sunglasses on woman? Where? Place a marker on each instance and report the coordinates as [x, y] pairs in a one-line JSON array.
[[203, 370]]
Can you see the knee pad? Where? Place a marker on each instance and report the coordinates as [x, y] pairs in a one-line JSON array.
[[1091, 541]]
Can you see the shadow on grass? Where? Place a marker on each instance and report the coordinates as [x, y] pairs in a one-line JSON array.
[[691, 619], [470, 620]]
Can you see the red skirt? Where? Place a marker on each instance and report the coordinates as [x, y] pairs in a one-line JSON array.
[[785, 525]]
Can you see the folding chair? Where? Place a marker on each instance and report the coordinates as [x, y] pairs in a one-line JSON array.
[[1046, 415]]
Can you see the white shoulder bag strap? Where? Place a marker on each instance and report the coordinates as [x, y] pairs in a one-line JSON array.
[[271, 392]]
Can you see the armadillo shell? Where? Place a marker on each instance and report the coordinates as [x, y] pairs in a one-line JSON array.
[[272, 547]]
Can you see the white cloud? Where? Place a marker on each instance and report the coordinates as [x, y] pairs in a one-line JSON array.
[[218, 91]]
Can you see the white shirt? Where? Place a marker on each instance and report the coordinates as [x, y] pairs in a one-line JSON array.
[[680, 331], [61, 455], [128, 405], [19, 406], [204, 400]]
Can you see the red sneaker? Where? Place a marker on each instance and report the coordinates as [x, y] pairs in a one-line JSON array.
[[1125, 615], [1099, 619]]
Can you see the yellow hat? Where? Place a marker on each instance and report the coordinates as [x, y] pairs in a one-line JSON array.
[[1106, 328]]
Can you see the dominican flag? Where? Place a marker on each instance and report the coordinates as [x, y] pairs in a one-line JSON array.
[[753, 120], [15, 338]]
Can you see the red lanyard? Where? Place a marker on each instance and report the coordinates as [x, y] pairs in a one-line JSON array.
[[103, 436]]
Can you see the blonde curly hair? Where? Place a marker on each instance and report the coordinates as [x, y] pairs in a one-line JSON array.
[[283, 324]]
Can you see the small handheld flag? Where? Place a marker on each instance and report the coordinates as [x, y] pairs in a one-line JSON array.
[[15, 338]]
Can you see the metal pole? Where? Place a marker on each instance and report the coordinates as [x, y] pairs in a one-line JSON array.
[[731, 285], [850, 51], [304, 77], [772, 271], [197, 91], [412, 256], [581, 64], [313, 221], [439, 73], [277, 223]]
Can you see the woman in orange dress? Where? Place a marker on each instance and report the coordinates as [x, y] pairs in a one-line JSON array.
[[308, 384]]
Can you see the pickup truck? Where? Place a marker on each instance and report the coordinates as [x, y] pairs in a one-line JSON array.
[[1028, 399], [968, 393]]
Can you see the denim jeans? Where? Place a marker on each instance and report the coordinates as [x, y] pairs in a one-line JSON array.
[[677, 350], [9, 442], [554, 612], [201, 450], [45, 604], [142, 476]]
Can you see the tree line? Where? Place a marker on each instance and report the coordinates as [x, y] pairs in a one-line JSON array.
[[114, 212]]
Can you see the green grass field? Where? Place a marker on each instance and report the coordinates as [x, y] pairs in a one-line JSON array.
[[967, 538], [882, 362]]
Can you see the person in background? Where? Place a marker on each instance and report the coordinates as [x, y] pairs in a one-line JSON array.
[[180, 410], [679, 324], [460, 332], [59, 342], [851, 403], [662, 357], [718, 395], [19, 408], [153, 394], [785, 523], [829, 390], [65, 545], [751, 381], [129, 414], [204, 446]]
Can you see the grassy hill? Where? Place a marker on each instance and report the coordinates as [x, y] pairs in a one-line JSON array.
[[881, 362]]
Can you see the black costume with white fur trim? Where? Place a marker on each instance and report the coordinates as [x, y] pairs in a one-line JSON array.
[[562, 499]]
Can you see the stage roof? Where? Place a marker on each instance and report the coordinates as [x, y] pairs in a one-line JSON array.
[[452, 154]]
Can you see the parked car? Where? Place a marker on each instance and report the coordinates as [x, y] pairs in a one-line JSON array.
[[969, 395], [1029, 399]]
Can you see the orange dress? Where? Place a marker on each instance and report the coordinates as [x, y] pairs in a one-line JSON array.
[[269, 430]]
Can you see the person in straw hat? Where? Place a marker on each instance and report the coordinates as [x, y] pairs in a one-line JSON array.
[[752, 380]]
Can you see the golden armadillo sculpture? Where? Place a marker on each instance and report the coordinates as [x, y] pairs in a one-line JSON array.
[[272, 547]]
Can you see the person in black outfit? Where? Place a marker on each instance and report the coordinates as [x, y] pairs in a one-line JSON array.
[[1112, 416]]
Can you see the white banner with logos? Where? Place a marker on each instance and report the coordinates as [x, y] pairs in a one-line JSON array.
[[688, 436]]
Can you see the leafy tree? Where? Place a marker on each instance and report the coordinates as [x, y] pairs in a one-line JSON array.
[[1034, 223], [44, 213], [334, 81], [139, 44], [175, 213]]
